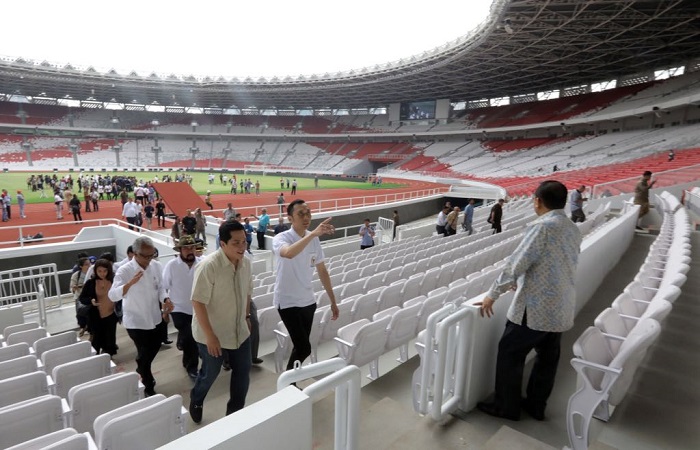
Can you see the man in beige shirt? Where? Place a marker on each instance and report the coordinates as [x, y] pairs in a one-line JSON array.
[[221, 296]]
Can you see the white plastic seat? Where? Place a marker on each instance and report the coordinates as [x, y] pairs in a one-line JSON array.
[[10, 315], [267, 318], [366, 305], [50, 359], [429, 306], [401, 329], [9, 330], [392, 275], [353, 288], [330, 327], [351, 275], [18, 366], [23, 387], [415, 301], [28, 336], [65, 439], [260, 290], [374, 281], [604, 376], [89, 400], [30, 419], [148, 423], [81, 371], [411, 289], [54, 341], [368, 270], [322, 299], [430, 280], [264, 300], [391, 295], [363, 342], [445, 275], [407, 270], [316, 332], [14, 351]]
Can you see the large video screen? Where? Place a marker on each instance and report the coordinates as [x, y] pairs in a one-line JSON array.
[[417, 110]]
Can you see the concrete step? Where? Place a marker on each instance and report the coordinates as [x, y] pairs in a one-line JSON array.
[[508, 438]]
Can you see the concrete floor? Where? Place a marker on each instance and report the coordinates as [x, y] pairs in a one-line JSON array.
[[660, 410]]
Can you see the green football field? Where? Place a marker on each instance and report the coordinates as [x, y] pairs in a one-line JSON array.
[[12, 181]]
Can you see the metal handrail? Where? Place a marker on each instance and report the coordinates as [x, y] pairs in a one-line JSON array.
[[346, 382]]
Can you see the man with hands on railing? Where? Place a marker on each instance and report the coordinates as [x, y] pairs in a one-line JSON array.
[[298, 253], [542, 271]]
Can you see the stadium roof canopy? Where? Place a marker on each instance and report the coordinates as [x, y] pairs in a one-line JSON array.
[[524, 47]]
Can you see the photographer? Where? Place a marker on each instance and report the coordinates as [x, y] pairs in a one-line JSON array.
[[367, 232]]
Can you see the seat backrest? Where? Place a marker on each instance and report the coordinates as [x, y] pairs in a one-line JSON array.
[[369, 342], [150, 427], [18, 366], [365, 306], [90, 400], [403, 326], [67, 353], [11, 315], [668, 292], [610, 322], [54, 341], [29, 419], [316, 328], [392, 275], [331, 327], [14, 351], [411, 289], [374, 281], [264, 300], [415, 301], [658, 309], [23, 387], [391, 296], [625, 304], [429, 306], [430, 280], [53, 441], [631, 354], [592, 346], [28, 336], [11, 329], [353, 288], [351, 275], [76, 372]]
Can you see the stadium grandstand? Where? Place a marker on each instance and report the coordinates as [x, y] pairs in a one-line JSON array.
[[591, 93]]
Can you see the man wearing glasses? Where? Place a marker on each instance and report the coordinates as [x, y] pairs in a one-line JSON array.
[[299, 253], [139, 283]]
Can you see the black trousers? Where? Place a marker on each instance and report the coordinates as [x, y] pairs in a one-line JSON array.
[[298, 321], [517, 341], [104, 333], [131, 221], [147, 344], [190, 351], [261, 240], [254, 331]]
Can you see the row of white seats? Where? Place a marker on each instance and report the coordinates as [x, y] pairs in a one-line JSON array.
[[361, 341], [141, 424], [607, 355]]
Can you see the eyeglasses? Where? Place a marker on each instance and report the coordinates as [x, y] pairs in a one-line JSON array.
[[151, 256]]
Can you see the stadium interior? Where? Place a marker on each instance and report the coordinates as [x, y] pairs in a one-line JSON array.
[[590, 93]]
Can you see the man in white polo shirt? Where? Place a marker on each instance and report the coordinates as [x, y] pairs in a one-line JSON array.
[[178, 276], [298, 253], [140, 284]]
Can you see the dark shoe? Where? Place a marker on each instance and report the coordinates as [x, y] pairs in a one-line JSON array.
[[493, 410], [179, 347], [167, 342], [535, 412], [257, 361], [149, 391], [226, 366], [193, 374], [196, 412]]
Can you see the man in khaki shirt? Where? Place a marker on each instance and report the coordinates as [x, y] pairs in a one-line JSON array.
[[221, 296]]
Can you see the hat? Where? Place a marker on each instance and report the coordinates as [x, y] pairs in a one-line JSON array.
[[185, 241]]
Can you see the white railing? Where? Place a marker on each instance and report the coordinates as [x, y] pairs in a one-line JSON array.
[[41, 304], [386, 226], [346, 382], [26, 284]]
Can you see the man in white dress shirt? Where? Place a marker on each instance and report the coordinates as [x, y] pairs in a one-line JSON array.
[[140, 284], [178, 276], [130, 212]]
